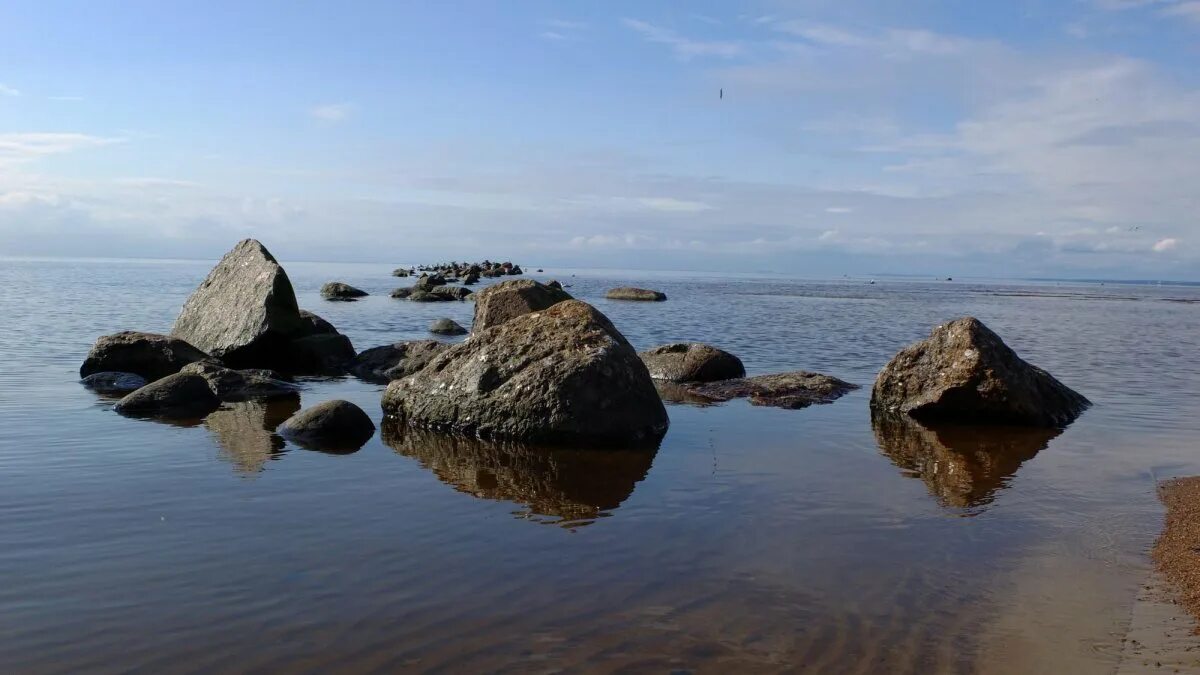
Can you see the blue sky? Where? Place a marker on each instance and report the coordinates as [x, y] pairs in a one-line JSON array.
[[1023, 138]]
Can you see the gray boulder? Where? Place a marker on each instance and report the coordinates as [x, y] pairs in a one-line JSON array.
[[311, 324], [446, 327], [322, 353], [794, 390], [179, 395], [150, 355], [963, 372], [402, 293], [506, 300], [427, 282], [630, 293], [245, 310], [691, 362], [453, 292], [241, 385], [562, 375], [428, 296], [333, 426], [400, 272], [108, 382], [336, 290], [392, 362]]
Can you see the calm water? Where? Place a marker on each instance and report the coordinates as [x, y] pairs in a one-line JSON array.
[[754, 540]]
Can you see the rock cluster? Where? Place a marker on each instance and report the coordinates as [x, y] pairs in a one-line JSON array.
[[464, 270], [631, 293]]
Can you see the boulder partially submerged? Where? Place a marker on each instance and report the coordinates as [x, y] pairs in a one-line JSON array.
[[150, 355], [963, 372], [241, 385], [509, 299], [691, 362], [562, 375], [110, 383], [333, 426], [446, 326], [794, 390], [631, 293], [245, 313], [179, 395], [392, 362], [337, 290]]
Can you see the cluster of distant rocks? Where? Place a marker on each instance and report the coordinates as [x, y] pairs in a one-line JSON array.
[[468, 273], [538, 365]]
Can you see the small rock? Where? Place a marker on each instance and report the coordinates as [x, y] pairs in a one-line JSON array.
[[150, 355], [402, 292], [798, 389], [392, 362], [400, 272], [109, 382], [333, 426], [630, 293], [336, 290], [178, 395], [314, 325], [446, 327], [691, 362], [241, 385]]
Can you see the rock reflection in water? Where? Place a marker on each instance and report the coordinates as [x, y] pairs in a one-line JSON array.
[[246, 431], [570, 487], [963, 466]]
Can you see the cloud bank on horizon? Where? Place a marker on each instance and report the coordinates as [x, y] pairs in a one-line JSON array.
[[1041, 138]]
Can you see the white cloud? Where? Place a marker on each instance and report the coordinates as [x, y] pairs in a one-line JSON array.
[[1189, 10], [65, 98], [551, 35], [671, 205], [20, 147], [332, 112], [684, 48], [893, 42], [838, 209], [8, 91], [1165, 244]]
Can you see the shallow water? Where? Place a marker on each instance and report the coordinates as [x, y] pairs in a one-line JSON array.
[[753, 540]]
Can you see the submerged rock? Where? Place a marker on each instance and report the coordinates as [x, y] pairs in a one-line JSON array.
[[109, 382], [178, 395], [691, 362], [245, 310], [333, 426], [963, 372], [564, 375], [630, 293], [150, 355], [568, 486], [240, 385], [402, 293], [336, 290], [392, 362], [508, 299], [446, 327], [794, 390]]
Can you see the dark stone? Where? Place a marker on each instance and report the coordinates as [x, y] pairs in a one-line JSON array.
[[336, 290], [963, 372], [311, 324], [150, 355], [794, 390], [691, 362], [400, 272], [630, 293], [554, 283], [402, 292], [244, 312], [453, 292], [446, 327], [179, 395], [324, 353], [564, 375], [109, 382], [392, 362], [428, 282], [568, 486], [333, 426], [509, 299], [471, 278], [428, 296], [963, 466], [241, 385]]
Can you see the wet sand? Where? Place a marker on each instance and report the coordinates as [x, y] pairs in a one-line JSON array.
[[1177, 552]]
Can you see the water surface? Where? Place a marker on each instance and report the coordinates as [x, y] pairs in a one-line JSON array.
[[753, 540]]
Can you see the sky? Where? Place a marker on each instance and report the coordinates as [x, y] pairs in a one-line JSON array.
[[1055, 138]]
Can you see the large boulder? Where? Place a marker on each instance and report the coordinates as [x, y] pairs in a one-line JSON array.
[[630, 293], [150, 355], [245, 310], [241, 385], [177, 395], [794, 390], [392, 362], [509, 299], [337, 290], [691, 362], [446, 326], [963, 372], [562, 375], [332, 426]]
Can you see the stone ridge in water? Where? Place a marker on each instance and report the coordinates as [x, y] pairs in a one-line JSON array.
[[563, 375], [794, 390], [963, 372], [244, 310], [630, 293]]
